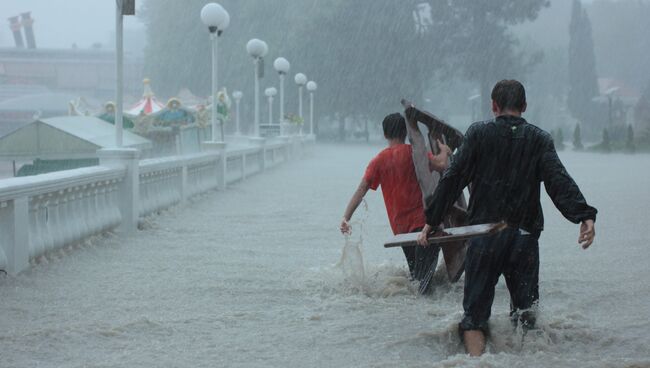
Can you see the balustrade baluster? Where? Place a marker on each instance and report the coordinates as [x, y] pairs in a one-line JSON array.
[[34, 238]]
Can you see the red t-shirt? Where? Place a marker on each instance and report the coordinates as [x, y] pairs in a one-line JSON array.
[[393, 169]]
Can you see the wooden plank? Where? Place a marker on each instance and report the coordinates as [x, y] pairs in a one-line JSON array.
[[449, 237], [454, 256], [438, 129]]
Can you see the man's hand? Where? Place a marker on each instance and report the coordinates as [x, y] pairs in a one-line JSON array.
[[423, 238], [345, 227], [443, 147], [587, 233]]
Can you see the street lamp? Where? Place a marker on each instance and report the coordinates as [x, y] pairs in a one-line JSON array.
[[237, 95], [311, 87], [609, 93], [474, 100], [300, 80], [282, 66], [257, 49], [217, 19], [270, 93]]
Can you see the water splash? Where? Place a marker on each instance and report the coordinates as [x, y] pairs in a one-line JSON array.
[[351, 261]]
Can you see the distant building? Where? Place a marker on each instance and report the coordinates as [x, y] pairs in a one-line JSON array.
[[83, 72]]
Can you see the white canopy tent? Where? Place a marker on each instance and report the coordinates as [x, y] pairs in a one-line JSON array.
[[65, 137]]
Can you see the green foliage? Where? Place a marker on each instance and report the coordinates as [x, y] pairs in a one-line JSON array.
[[630, 147], [642, 116], [560, 139], [605, 145], [577, 138], [483, 48], [365, 54], [583, 81]]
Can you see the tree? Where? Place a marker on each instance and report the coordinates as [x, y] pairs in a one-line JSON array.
[[577, 139], [367, 54], [605, 145], [583, 82], [642, 116], [364, 54], [559, 144], [484, 48], [629, 142]]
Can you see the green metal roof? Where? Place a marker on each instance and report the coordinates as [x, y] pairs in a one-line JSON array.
[[65, 137]]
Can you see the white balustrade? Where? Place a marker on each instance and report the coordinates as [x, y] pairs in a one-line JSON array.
[[42, 213]]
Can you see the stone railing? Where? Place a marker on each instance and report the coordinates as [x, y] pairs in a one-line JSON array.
[[46, 212]]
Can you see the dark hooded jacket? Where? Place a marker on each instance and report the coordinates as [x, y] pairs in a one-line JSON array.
[[504, 160]]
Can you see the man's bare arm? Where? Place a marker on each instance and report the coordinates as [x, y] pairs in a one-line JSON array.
[[357, 197]]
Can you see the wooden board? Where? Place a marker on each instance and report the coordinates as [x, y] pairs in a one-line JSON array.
[[449, 237], [437, 129]]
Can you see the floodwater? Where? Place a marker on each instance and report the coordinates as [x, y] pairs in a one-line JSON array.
[[256, 277]]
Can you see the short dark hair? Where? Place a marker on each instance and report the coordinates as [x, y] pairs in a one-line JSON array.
[[509, 94], [394, 126]]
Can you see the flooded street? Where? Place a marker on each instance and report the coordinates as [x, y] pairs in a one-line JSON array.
[[254, 277]]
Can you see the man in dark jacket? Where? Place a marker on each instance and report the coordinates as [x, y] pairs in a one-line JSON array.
[[503, 161]]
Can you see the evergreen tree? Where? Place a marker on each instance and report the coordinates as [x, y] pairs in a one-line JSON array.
[[642, 116], [629, 142], [583, 81], [605, 145], [577, 139], [560, 140]]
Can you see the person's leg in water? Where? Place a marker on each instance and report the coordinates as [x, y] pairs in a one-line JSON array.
[[522, 279], [409, 253], [426, 261], [483, 265]]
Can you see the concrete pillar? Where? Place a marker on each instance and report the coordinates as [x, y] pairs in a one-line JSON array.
[[17, 249], [129, 191], [222, 168]]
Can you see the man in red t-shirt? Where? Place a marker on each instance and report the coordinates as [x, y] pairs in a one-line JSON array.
[[394, 171]]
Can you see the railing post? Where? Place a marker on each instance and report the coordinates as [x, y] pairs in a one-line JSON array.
[[129, 189], [17, 249], [184, 188], [222, 163]]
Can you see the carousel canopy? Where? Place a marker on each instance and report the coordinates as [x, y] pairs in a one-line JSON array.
[[148, 104], [64, 137]]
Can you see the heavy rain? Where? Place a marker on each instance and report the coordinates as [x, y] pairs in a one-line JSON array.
[[227, 184]]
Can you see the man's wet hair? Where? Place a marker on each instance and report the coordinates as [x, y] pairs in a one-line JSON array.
[[509, 94], [394, 126]]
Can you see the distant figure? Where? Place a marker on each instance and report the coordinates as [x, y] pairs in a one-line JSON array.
[[394, 171], [223, 106], [109, 116], [504, 160]]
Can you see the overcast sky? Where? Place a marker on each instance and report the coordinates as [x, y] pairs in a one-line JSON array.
[[60, 23]]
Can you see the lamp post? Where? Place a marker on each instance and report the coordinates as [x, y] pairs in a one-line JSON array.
[[122, 7], [257, 49], [474, 100], [282, 66], [609, 93], [311, 87], [237, 95], [300, 80], [270, 93], [217, 19]]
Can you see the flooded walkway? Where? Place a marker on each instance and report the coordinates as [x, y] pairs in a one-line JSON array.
[[247, 278]]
